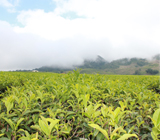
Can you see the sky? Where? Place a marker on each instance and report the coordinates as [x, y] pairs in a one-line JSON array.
[[35, 33]]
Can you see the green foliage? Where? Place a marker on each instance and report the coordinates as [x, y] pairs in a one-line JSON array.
[[46, 128], [138, 72], [152, 72], [78, 106], [155, 86], [156, 121], [142, 62]]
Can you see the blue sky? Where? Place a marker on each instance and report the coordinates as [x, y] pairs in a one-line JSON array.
[[24, 5], [34, 33], [47, 5]]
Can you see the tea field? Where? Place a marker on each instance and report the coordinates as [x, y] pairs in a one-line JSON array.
[[74, 106]]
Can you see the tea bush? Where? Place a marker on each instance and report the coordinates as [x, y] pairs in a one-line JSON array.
[[78, 106]]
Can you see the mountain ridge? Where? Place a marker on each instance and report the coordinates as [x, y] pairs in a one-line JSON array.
[[138, 66], [123, 66]]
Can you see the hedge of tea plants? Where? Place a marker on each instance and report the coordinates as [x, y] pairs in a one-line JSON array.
[[74, 106]]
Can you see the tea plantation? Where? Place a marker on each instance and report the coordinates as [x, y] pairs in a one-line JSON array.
[[74, 106]]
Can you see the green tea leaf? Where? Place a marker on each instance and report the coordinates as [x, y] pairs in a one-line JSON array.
[[126, 136], [1, 135], [19, 121], [104, 132], [36, 127], [156, 117], [52, 123], [114, 132], [9, 121], [44, 127], [131, 129]]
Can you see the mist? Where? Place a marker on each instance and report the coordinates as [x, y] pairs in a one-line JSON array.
[[114, 30], [28, 51]]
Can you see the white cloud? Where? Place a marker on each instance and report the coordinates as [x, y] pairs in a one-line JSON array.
[[28, 51], [107, 8], [104, 19]]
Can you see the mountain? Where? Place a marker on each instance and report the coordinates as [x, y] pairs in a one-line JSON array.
[[125, 66], [99, 63]]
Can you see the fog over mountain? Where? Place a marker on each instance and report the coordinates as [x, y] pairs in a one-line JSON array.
[[64, 33]]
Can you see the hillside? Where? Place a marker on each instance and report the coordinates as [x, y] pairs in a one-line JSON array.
[[124, 66]]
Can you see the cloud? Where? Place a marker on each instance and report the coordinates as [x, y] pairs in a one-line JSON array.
[[28, 51], [103, 19], [112, 29], [109, 9], [109, 20]]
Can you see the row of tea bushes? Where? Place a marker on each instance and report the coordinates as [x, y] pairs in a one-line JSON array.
[[78, 106]]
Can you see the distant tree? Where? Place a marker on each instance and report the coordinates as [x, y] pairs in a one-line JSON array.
[[142, 62], [138, 72], [99, 63], [124, 61], [152, 72], [133, 60]]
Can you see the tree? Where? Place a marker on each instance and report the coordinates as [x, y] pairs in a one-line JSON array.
[[152, 72], [138, 72]]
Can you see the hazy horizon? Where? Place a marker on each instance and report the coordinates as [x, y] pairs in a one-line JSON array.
[[65, 32], [73, 66]]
